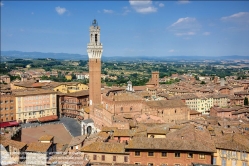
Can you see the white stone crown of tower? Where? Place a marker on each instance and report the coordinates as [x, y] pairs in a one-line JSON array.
[[94, 47]]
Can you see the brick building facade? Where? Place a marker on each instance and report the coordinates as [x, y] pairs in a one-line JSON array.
[[159, 151], [73, 104], [7, 107]]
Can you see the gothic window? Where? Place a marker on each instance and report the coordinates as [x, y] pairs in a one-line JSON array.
[[121, 109]]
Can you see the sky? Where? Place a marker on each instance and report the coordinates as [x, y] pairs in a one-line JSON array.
[[128, 28]]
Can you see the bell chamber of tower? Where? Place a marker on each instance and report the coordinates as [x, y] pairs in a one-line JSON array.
[[94, 47]]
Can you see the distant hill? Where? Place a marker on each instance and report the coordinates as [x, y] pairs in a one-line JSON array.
[[10, 55], [35, 55]]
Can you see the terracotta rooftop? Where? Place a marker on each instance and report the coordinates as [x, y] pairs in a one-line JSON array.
[[126, 97], [194, 112], [46, 138], [38, 147], [104, 147], [241, 112], [77, 140], [109, 128], [158, 130], [76, 94], [195, 133], [61, 147], [236, 97], [168, 144], [103, 135], [123, 132], [16, 144], [48, 118], [26, 92], [234, 141], [242, 93], [225, 87], [165, 104]]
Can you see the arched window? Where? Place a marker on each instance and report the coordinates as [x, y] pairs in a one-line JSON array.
[[96, 38]]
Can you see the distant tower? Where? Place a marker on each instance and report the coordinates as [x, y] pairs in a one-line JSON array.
[[222, 82], [155, 78], [94, 50], [129, 87]]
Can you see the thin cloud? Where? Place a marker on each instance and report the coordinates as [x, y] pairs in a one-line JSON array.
[[1, 4], [182, 2], [172, 50], [187, 26], [185, 20], [161, 5], [206, 33], [108, 11], [241, 17], [60, 10], [143, 6], [185, 34], [126, 10]]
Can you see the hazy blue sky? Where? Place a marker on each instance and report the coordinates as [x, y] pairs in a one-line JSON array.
[[128, 28]]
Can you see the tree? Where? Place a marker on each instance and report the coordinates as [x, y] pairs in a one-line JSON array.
[[246, 101], [14, 77], [74, 76], [203, 82], [196, 77]]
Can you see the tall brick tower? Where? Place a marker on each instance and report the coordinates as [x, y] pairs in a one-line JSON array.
[[94, 50]]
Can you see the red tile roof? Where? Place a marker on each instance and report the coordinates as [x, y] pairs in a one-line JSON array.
[[48, 118]]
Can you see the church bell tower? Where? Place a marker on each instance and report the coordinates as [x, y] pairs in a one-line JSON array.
[[94, 50]]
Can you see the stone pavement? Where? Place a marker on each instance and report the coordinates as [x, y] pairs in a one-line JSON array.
[[62, 130], [72, 126], [32, 134]]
